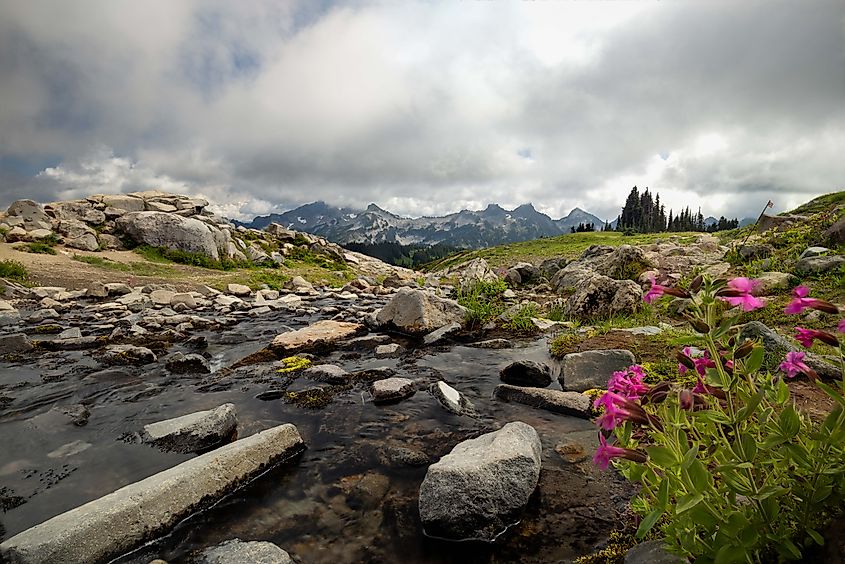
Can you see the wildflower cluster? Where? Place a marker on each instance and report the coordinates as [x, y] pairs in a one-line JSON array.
[[730, 470]]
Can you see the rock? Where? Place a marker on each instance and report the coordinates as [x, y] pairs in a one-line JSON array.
[[160, 207], [187, 234], [193, 363], [238, 290], [298, 284], [77, 211], [236, 551], [72, 333], [451, 399], [644, 330], [16, 234], [652, 552], [392, 389], [527, 373], [77, 413], [194, 432], [97, 290], [227, 301], [9, 317], [329, 373], [777, 346], [482, 485], [282, 233], [117, 523], [162, 297], [819, 265], [123, 202], [601, 297], [30, 212], [773, 282], [418, 312], [493, 344], [813, 252], [475, 271], [15, 343], [39, 234], [369, 491], [593, 369], [78, 235], [755, 251], [391, 350], [186, 300], [117, 289], [835, 234], [128, 354], [567, 403], [318, 336], [439, 335], [779, 222]]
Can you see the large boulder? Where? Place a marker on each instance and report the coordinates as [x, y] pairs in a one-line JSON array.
[[78, 235], [478, 490], [418, 312], [321, 335], [475, 271], [601, 297], [624, 262], [592, 369], [527, 373], [194, 432], [836, 233], [161, 229], [819, 265], [124, 202], [31, 213], [77, 211]]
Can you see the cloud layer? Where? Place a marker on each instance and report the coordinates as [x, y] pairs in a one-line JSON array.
[[424, 108]]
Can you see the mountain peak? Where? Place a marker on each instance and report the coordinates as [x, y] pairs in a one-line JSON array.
[[526, 207], [375, 208]]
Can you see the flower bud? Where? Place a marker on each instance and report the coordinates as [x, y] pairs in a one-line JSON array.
[[744, 350], [677, 292], [827, 338], [699, 325], [729, 293], [657, 393], [824, 306], [634, 455], [732, 341], [695, 285], [685, 399], [685, 360]]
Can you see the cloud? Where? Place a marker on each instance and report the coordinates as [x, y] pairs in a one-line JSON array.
[[425, 108]]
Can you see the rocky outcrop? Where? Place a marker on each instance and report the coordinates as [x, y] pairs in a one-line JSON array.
[[418, 312], [482, 485], [777, 346], [601, 297], [161, 229]]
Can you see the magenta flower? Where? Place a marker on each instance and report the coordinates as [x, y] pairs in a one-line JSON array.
[[807, 336], [654, 292], [741, 289], [841, 327], [794, 363], [605, 453], [618, 408], [800, 302], [700, 388], [628, 383]]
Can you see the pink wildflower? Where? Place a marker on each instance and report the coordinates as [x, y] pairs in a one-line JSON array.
[[605, 452], [794, 363], [629, 383], [740, 294], [654, 292], [841, 327], [807, 336], [618, 408], [800, 302]]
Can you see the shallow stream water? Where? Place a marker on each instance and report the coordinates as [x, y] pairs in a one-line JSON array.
[[350, 497]]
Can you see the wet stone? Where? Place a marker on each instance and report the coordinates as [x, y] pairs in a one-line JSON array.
[[194, 432], [451, 399], [567, 403], [236, 551], [593, 369], [651, 552], [389, 351], [493, 344], [192, 363], [392, 389], [128, 354], [527, 373], [329, 373], [16, 343]]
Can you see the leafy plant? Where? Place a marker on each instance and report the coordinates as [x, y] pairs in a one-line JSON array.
[[484, 301], [39, 247], [520, 321], [13, 270], [730, 470]]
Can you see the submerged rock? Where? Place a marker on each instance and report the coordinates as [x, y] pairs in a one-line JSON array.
[[478, 490], [127, 354], [180, 363], [527, 373], [319, 336], [194, 432], [439, 335], [236, 551], [593, 369], [329, 373]]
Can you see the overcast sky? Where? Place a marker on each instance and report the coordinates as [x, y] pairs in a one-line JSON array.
[[424, 108]]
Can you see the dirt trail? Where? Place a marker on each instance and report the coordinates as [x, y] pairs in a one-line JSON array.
[[62, 270]]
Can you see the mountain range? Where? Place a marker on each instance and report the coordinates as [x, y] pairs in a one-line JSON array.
[[467, 229]]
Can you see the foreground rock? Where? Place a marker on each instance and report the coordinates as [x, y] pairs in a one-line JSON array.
[[194, 432], [418, 312], [527, 373], [478, 490], [392, 389], [319, 336], [593, 369], [567, 403], [652, 552], [236, 551], [777, 346], [119, 522]]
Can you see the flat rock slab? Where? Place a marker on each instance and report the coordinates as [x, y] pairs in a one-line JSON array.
[[193, 432], [441, 334], [567, 403], [593, 369], [479, 489], [320, 335], [236, 551], [123, 520], [330, 373], [392, 389]]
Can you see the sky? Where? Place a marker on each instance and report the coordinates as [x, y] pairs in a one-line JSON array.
[[425, 108]]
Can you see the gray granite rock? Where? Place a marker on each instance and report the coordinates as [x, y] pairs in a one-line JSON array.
[[180, 363], [451, 399], [819, 265], [527, 373], [194, 432], [392, 389], [593, 369], [567, 403], [652, 552], [236, 551], [328, 373]]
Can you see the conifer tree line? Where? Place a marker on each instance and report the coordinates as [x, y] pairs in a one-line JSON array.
[[643, 213], [582, 227]]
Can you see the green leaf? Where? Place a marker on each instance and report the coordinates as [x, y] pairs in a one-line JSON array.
[[687, 502], [755, 359], [747, 447], [728, 554], [700, 477], [749, 408], [799, 454], [663, 494], [831, 392], [689, 456], [769, 491], [661, 456], [789, 421], [782, 392], [649, 522], [788, 548], [817, 538]]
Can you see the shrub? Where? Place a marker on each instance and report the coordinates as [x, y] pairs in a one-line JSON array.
[[13, 270], [730, 470]]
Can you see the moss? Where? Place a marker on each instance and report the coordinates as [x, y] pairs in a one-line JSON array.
[[293, 364], [315, 398], [618, 543], [47, 329]]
